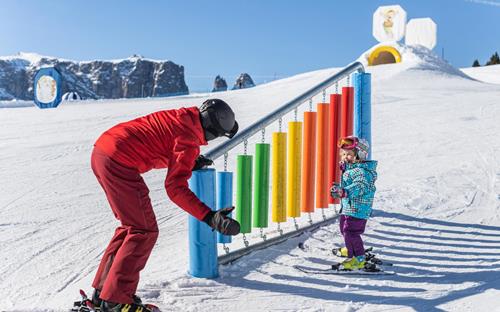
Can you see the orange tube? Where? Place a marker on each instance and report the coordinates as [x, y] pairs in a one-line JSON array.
[[346, 123], [322, 186], [308, 162], [333, 150]]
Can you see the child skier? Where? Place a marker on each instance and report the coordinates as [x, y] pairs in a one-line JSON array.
[[356, 191], [165, 139]]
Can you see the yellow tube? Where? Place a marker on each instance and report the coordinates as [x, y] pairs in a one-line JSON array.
[[294, 166], [279, 177]]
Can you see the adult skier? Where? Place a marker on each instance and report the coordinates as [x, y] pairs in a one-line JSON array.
[[164, 139]]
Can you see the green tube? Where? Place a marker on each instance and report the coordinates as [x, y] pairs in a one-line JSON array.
[[261, 193], [244, 192]]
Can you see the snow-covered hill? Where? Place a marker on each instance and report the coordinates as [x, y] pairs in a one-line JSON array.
[[436, 211], [490, 74]]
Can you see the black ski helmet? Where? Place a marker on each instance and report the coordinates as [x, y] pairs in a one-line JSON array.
[[217, 119]]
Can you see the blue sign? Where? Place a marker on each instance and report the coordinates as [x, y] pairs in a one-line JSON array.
[[47, 88]]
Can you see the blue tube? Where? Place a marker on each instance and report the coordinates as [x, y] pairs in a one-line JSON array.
[[362, 108], [202, 240], [224, 198]]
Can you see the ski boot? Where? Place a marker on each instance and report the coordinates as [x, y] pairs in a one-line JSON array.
[[340, 252], [107, 306], [94, 304], [96, 300], [351, 264]]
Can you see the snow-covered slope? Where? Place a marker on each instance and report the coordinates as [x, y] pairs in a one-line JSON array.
[[490, 74], [436, 211]]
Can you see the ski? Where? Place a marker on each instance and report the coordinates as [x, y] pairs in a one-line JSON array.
[[333, 271], [370, 257]]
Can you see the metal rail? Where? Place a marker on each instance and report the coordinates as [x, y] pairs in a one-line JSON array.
[[219, 150], [235, 255]]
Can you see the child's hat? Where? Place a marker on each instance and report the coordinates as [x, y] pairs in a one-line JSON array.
[[359, 145]]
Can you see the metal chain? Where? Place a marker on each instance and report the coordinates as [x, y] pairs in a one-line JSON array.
[[225, 161], [263, 135], [348, 80], [280, 123], [262, 235], [295, 113], [296, 224], [310, 104], [324, 96], [245, 145], [310, 219], [337, 87], [323, 214], [245, 241], [226, 249], [280, 230]]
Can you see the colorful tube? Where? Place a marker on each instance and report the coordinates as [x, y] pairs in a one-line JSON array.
[[224, 198], [322, 186], [347, 111], [362, 108], [333, 150], [294, 165], [308, 165], [279, 177], [202, 240], [261, 189], [244, 192]]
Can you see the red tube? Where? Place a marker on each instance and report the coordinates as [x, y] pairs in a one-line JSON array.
[[333, 150], [347, 121]]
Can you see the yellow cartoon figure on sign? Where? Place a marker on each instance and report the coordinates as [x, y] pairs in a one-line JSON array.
[[46, 90], [389, 22]]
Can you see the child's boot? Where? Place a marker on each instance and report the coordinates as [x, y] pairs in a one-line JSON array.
[[340, 252], [353, 264]]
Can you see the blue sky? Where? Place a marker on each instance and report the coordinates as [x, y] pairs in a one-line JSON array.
[[266, 38]]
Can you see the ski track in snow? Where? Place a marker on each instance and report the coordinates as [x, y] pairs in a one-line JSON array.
[[436, 210]]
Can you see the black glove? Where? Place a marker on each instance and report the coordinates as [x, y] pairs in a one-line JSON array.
[[201, 162], [218, 220]]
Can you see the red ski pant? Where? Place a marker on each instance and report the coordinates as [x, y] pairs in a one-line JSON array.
[[127, 253]]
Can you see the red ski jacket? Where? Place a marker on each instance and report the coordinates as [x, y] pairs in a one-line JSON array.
[[165, 139]]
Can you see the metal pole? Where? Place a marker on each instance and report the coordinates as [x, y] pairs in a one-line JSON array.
[[232, 256], [287, 107]]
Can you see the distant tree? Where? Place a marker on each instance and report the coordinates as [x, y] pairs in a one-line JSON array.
[[494, 59], [476, 64]]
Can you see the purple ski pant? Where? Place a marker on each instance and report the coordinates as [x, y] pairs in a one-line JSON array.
[[352, 228]]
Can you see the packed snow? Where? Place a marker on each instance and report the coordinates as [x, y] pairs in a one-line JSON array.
[[436, 218], [490, 73]]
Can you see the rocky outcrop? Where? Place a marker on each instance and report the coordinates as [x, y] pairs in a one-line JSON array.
[[128, 78], [219, 84], [244, 81]]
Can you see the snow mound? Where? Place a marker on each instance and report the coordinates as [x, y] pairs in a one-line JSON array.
[[413, 58]]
